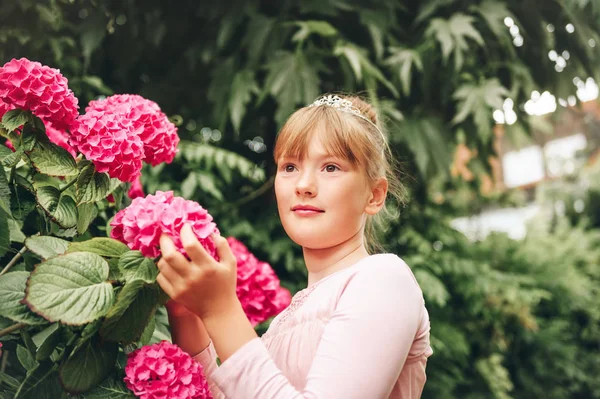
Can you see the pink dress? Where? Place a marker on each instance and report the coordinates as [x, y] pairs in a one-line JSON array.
[[359, 333]]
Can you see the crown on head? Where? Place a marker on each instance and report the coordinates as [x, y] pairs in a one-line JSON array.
[[341, 104]]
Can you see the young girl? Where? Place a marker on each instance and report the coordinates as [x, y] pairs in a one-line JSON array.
[[360, 330]]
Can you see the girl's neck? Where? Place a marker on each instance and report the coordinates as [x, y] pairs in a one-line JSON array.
[[323, 262]]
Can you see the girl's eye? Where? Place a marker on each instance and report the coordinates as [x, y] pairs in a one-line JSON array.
[[331, 168], [289, 168]]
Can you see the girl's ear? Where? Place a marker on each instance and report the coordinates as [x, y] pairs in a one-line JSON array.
[[379, 192]]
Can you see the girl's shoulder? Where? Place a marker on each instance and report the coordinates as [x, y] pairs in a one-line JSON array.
[[384, 269]]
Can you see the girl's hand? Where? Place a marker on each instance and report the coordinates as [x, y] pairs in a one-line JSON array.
[[175, 309], [202, 285]]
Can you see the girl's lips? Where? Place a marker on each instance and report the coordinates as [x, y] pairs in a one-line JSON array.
[[306, 212]]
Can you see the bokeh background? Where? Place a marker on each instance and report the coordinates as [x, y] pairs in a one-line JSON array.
[[491, 108]]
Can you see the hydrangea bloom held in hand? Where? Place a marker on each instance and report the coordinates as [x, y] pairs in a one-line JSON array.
[[157, 133], [40, 89], [141, 224], [163, 371], [258, 286]]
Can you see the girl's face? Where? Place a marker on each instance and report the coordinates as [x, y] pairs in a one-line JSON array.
[[322, 199]]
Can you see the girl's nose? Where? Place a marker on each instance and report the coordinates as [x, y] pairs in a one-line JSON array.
[[306, 185]]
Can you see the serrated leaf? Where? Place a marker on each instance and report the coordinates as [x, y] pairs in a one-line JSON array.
[[13, 159], [86, 213], [92, 186], [242, 88], [15, 118], [131, 313], [59, 207], [103, 246], [46, 246], [14, 228], [321, 28], [403, 59], [452, 34], [70, 288], [110, 388], [25, 358], [135, 266], [12, 292], [88, 366], [53, 160]]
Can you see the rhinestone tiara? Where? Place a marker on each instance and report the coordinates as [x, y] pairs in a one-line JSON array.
[[341, 104]]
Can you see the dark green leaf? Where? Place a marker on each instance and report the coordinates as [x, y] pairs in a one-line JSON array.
[[242, 88], [25, 358], [46, 341], [110, 388], [103, 246], [53, 160], [46, 246], [40, 383], [4, 192], [71, 288], [148, 331], [88, 366], [135, 266], [4, 233], [86, 215], [92, 186], [131, 313], [12, 292], [10, 161], [15, 118], [22, 203], [60, 208]]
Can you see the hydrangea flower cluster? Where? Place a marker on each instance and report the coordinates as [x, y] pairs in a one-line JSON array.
[[258, 287], [111, 143], [163, 370], [40, 89], [141, 224], [157, 133], [136, 190]]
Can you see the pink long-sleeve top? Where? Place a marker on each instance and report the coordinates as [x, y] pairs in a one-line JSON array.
[[359, 333]]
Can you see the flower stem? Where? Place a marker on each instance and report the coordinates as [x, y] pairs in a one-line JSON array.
[[69, 184], [14, 260], [12, 328]]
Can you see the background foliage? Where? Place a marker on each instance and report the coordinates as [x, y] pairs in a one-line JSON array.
[[509, 319]]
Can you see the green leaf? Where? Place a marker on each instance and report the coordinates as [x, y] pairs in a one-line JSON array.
[[4, 192], [353, 56], [135, 266], [148, 331], [114, 274], [53, 160], [403, 60], [131, 313], [15, 118], [433, 288], [4, 234], [103, 246], [452, 35], [321, 28], [86, 213], [70, 288], [480, 102], [110, 388], [46, 246], [88, 366], [22, 203], [46, 341], [92, 186], [4, 151], [59, 207], [14, 228], [243, 86], [40, 383], [25, 358], [12, 292]]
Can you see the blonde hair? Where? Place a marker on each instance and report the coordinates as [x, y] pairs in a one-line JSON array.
[[360, 141]]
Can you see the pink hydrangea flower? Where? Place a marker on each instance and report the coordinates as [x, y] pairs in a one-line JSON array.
[[158, 134], [141, 224], [162, 371], [136, 190], [40, 89], [258, 287], [111, 142]]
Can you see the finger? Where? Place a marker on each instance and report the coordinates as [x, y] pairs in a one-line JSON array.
[[167, 270], [192, 246], [172, 256], [165, 284], [224, 250]]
